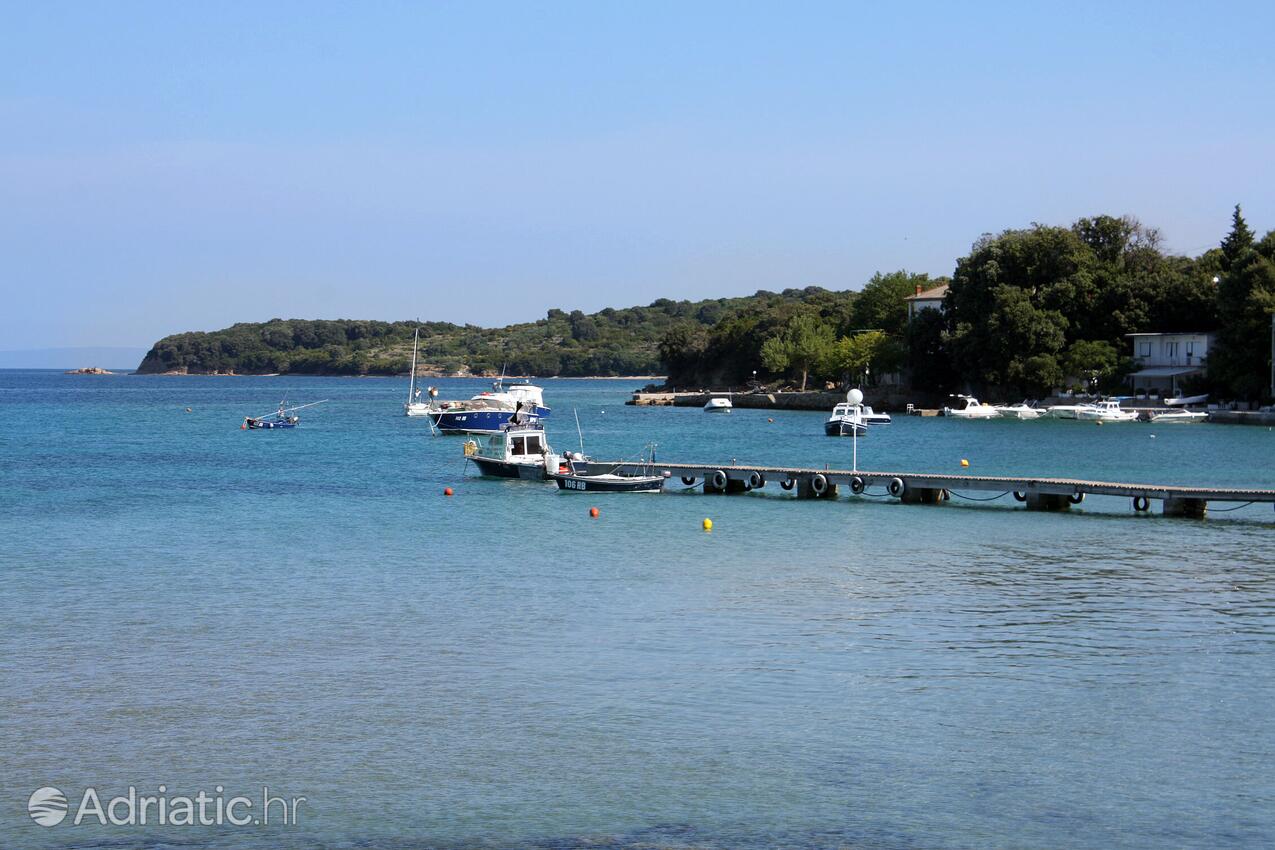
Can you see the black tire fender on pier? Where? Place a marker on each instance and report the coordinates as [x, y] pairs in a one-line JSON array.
[[857, 485], [718, 479], [897, 487]]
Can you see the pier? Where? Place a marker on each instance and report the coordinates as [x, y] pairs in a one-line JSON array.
[[1043, 494]]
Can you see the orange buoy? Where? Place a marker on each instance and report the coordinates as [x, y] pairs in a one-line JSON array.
[[593, 512], [447, 491]]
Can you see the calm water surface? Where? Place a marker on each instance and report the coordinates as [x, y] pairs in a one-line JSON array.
[[188, 604]]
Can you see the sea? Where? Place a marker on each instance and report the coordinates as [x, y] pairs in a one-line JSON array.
[[303, 620]]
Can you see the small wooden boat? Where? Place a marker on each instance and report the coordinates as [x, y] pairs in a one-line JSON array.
[[284, 417]]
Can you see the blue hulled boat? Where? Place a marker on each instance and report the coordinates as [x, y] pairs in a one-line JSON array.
[[488, 412], [284, 417]]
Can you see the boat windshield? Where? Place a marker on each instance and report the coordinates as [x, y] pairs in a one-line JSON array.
[[526, 444]]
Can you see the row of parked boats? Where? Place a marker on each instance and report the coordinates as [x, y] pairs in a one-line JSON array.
[[1107, 410], [512, 441]]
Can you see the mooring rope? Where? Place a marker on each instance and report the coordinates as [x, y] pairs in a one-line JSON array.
[[973, 499], [1236, 508]]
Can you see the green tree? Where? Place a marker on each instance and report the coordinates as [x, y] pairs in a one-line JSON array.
[[802, 345], [854, 355], [1091, 360], [810, 339], [880, 306], [1240, 362], [1238, 242], [776, 354]]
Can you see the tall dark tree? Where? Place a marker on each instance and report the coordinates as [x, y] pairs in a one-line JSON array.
[[1240, 361], [1237, 242]]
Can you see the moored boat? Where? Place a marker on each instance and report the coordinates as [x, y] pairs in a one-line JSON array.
[[488, 412], [968, 407], [607, 482], [1067, 411], [515, 451], [414, 406], [847, 420], [1182, 416], [1107, 411], [284, 417], [1022, 411]]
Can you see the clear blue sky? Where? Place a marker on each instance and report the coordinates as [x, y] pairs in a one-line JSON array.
[[177, 166]]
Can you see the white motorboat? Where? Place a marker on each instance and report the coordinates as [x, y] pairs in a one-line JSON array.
[[515, 451], [718, 404], [1067, 411], [1183, 416], [870, 417], [1022, 410], [488, 412], [968, 407], [847, 420], [1107, 411], [414, 406]]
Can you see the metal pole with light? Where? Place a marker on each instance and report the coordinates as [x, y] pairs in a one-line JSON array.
[[855, 397]]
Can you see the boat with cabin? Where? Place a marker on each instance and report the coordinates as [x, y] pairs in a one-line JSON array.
[[1107, 411], [488, 412], [515, 451], [847, 420], [968, 407]]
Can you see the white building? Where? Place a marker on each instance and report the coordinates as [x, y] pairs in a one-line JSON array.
[[929, 299], [1165, 359]]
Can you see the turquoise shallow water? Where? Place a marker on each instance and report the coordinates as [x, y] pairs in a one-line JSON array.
[[189, 604]]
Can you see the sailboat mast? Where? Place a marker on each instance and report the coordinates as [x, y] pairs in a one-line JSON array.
[[411, 385]]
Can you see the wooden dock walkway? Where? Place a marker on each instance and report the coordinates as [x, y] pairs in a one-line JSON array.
[[929, 488]]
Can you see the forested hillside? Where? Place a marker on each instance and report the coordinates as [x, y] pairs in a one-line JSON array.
[[609, 342], [1026, 311]]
